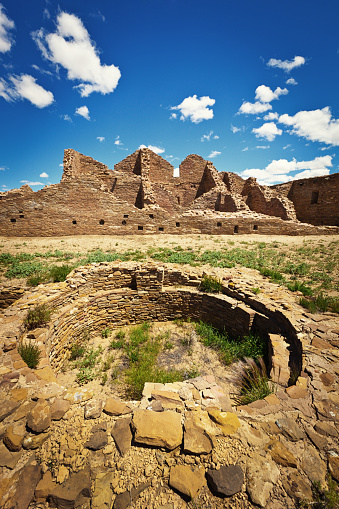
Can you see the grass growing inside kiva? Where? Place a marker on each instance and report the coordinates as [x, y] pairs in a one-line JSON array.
[[30, 353], [251, 382]]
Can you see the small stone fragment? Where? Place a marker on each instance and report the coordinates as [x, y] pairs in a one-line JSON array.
[[74, 492], [228, 422], [97, 441], [325, 428], [196, 442], [7, 407], [262, 474], [45, 486], [226, 481], [114, 407], [296, 487], [186, 481], [296, 392], [333, 466], [93, 409], [14, 436], [77, 395], [39, 418], [281, 454], [35, 441], [58, 409], [122, 435], [7, 458]]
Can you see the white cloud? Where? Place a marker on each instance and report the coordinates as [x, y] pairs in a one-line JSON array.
[[263, 147], [214, 153], [271, 116], [173, 116], [254, 108], [2, 168], [245, 149], [286, 146], [83, 111], [101, 138], [236, 129], [286, 65], [44, 175], [207, 137], [265, 95], [29, 183], [6, 25], [278, 170], [314, 125], [291, 81], [5, 91], [196, 109], [157, 150], [25, 87], [71, 47], [67, 117], [118, 141], [268, 131]]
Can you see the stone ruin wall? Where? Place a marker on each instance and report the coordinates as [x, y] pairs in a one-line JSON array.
[[142, 196]]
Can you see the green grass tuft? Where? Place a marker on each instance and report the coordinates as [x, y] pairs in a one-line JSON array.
[[37, 317], [251, 382], [30, 353]]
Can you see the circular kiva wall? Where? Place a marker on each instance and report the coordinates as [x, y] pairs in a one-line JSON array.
[[116, 294]]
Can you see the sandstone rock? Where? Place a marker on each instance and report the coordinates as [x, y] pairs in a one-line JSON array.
[[186, 481], [158, 429], [318, 440], [14, 436], [77, 395], [45, 486], [46, 374], [7, 458], [196, 442], [23, 410], [327, 410], [200, 420], [326, 429], [226, 481], [114, 407], [19, 394], [39, 418], [102, 495], [327, 379], [7, 407], [262, 474], [228, 422], [296, 392], [123, 500], [290, 429], [58, 409], [270, 427], [169, 400], [296, 487], [29, 476], [62, 474], [281, 454], [185, 394], [333, 466], [93, 409], [97, 441], [35, 441], [313, 466], [122, 435], [73, 492], [272, 399]]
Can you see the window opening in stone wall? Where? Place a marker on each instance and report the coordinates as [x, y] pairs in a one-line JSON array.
[[101, 221], [178, 198], [125, 216], [236, 229], [255, 227], [161, 228], [151, 216], [218, 224], [13, 220], [74, 221], [140, 227], [123, 222], [21, 216], [314, 197], [177, 225]]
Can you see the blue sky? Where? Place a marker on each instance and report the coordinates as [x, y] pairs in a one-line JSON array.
[[251, 86]]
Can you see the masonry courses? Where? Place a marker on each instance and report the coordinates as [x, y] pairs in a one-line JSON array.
[[142, 196]]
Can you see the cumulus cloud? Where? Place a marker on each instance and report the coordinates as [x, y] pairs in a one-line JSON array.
[[71, 47], [236, 129], [268, 131], [314, 125], [6, 25], [209, 136], [291, 81], [83, 111], [67, 118], [25, 87], [254, 108], [44, 175], [265, 95], [286, 65], [157, 150], [271, 116], [214, 153], [118, 141], [101, 138], [279, 170], [30, 183], [195, 109]]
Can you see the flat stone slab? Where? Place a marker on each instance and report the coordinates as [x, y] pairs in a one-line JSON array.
[[226, 481], [290, 429], [161, 429], [39, 418], [122, 435], [187, 481], [73, 492]]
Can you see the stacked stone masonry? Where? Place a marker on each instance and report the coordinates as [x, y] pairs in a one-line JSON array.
[[142, 196]]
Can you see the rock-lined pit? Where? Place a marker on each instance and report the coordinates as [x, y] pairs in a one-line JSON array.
[[102, 452]]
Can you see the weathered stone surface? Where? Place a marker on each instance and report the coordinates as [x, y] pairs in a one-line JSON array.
[[46, 374], [58, 408], [114, 407], [77, 395], [97, 441], [19, 394], [39, 418], [23, 410], [327, 410], [296, 487], [296, 392], [318, 440], [200, 420], [281, 454], [158, 429], [29, 477], [226, 481], [7, 458], [44, 487], [35, 441], [313, 466], [327, 379], [290, 429], [14, 436], [261, 475], [228, 422], [333, 466], [93, 409], [102, 495], [122, 435], [123, 500], [7, 407], [326, 428], [187, 481], [169, 400], [73, 492], [196, 442]]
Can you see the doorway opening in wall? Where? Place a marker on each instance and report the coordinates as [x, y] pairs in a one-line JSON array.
[[140, 228], [219, 224], [314, 197], [177, 225], [236, 229], [255, 227], [161, 228], [151, 216], [13, 220]]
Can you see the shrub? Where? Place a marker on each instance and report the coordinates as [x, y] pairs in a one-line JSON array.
[[30, 353], [296, 286], [210, 284], [77, 351], [106, 332], [308, 304], [60, 273], [37, 317], [251, 382]]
